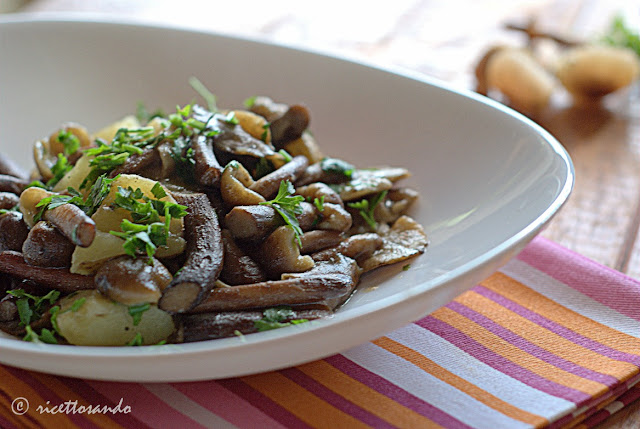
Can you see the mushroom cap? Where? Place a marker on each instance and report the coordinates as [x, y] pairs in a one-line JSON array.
[[132, 281]]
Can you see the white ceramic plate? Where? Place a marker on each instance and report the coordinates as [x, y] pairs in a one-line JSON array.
[[489, 178]]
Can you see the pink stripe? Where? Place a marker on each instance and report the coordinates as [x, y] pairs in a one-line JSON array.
[[263, 403], [334, 399], [394, 392], [504, 365], [531, 348], [5, 423], [556, 328], [222, 402], [146, 406], [600, 283]]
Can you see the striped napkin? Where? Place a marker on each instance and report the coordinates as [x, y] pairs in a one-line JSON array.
[[551, 340]]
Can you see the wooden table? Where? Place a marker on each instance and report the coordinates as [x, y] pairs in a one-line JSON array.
[[445, 39]]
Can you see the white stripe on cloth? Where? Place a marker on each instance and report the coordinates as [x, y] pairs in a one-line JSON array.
[[485, 377], [429, 388], [183, 404], [569, 297]]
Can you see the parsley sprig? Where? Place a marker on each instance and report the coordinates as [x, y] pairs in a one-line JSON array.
[[99, 191], [274, 318], [147, 232], [30, 307], [288, 206], [366, 208]]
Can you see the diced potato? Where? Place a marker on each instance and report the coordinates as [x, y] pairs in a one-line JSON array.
[[102, 322], [109, 132], [87, 260], [75, 176]]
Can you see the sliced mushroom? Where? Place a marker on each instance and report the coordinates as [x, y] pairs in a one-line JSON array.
[[239, 268], [132, 281], [45, 246], [234, 140], [267, 108], [252, 223], [321, 191], [234, 186], [204, 256], [315, 173], [8, 309], [358, 247], [370, 181], [12, 184], [8, 200], [211, 326], [208, 169], [396, 203], [256, 125], [280, 253], [290, 126], [73, 223], [13, 231], [137, 163], [306, 146], [406, 238], [316, 240], [61, 279], [334, 217], [268, 185], [333, 279]]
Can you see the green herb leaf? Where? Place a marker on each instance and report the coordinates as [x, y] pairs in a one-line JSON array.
[[30, 306], [70, 142], [288, 206], [136, 312], [77, 304], [202, 90], [319, 203], [249, 102], [366, 208], [136, 341], [334, 165], [619, 34], [59, 170], [274, 318]]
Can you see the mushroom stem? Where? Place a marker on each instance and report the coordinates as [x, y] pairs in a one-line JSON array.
[[204, 256], [330, 280], [208, 169], [61, 279], [137, 162], [12, 184], [268, 185], [73, 223], [10, 168]]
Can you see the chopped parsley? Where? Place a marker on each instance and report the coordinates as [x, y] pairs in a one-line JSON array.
[[59, 170], [70, 142], [249, 102], [619, 34], [263, 167], [30, 307], [334, 165], [319, 203], [366, 208], [99, 191], [274, 318], [288, 207], [136, 312], [202, 90], [136, 341], [147, 232], [46, 336]]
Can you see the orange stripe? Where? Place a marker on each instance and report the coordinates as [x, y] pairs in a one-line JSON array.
[[516, 355], [551, 310], [583, 416], [546, 339], [61, 390], [365, 397], [16, 388], [459, 383], [300, 402]]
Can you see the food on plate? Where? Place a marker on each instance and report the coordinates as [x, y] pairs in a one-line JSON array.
[[200, 224]]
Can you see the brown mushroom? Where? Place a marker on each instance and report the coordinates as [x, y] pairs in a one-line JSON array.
[[257, 221], [204, 256], [268, 185], [234, 186], [13, 231], [73, 223], [10, 168], [333, 279], [267, 108], [13, 184], [280, 253], [8, 200], [290, 126], [136, 163], [132, 281], [358, 247], [45, 246], [61, 279], [208, 169], [211, 326], [239, 268], [334, 217], [316, 240], [321, 191]]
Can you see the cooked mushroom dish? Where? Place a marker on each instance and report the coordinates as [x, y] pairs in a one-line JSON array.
[[195, 225]]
